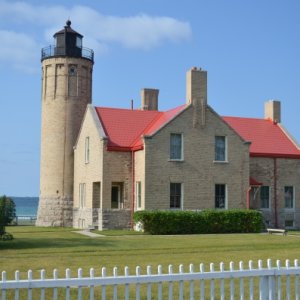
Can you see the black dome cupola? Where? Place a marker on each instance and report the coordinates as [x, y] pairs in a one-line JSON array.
[[68, 43]]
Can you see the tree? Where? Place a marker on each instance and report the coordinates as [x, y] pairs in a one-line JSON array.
[[7, 212]]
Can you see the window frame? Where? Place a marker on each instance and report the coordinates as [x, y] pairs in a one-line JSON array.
[[261, 200], [173, 202], [172, 152], [293, 197], [225, 196], [225, 160], [82, 195], [138, 194], [87, 150]]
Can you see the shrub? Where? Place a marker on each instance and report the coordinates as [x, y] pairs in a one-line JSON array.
[[206, 221], [7, 212]]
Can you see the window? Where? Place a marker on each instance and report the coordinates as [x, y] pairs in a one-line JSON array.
[[220, 196], [175, 195], [117, 195], [96, 194], [176, 146], [289, 197], [87, 150], [138, 194], [82, 195], [265, 197], [220, 148], [288, 223]]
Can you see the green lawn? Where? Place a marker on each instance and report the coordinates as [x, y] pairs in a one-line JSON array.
[[48, 248]]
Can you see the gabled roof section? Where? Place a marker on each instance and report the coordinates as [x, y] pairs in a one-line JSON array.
[[267, 138], [125, 128]]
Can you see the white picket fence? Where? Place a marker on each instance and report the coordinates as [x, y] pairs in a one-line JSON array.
[[262, 282]]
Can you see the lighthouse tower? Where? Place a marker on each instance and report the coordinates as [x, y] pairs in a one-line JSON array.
[[66, 90]]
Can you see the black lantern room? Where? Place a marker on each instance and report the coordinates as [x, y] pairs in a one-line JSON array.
[[68, 43]]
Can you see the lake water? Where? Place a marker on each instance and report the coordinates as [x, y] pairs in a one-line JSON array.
[[26, 206]]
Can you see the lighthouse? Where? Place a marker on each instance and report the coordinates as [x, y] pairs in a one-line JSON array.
[[66, 90]]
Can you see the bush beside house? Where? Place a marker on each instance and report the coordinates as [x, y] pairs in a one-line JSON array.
[[7, 214], [199, 222]]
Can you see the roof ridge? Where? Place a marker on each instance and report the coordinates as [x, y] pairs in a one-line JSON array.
[[159, 114]]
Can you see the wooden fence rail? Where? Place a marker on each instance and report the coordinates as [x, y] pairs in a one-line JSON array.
[[263, 282]]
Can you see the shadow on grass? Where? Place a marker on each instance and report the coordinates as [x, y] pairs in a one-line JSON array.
[[51, 238]]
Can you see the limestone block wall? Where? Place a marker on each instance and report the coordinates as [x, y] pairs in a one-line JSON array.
[[197, 171], [277, 173], [88, 172], [114, 219], [66, 91], [117, 168]]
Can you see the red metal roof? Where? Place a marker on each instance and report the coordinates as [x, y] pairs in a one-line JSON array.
[[125, 128], [267, 138]]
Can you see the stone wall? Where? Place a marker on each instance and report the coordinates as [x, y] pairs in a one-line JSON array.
[[277, 173], [65, 95], [198, 171], [115, 219]]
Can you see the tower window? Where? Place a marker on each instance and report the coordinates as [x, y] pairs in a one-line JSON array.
[[72, 71]]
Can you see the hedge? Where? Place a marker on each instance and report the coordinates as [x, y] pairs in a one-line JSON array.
[[196, 222]]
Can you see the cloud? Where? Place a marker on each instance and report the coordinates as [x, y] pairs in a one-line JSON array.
[[101, 31], [19, 49]]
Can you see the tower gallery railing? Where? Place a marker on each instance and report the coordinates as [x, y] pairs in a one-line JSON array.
[[52, 50]]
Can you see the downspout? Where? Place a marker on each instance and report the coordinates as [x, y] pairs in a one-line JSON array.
[[248, 198], [275, 191], [132, 186]]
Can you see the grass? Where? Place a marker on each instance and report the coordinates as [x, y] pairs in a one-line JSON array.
[[49, 248]]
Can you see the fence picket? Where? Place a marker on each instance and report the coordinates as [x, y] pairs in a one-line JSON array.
[[222, 291], [170, 283], [29, 293], [288, 281], [17, 292], [296, 265], [92, 289], [251, 286], [126, 273], [103, 289], [79, 276], [149, 285], [159, 285], [271, 281], [279, 291], [138, 285], [231, 268], [242, 296], [115, 287], [3, 290], [68, 276], [55, 277], [192, 296], [181, 271], [212, 282], [202, 283]]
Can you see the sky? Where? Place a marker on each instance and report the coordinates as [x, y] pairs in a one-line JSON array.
[[250, 49]]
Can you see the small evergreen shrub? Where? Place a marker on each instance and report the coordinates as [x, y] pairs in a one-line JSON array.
[[199, 222]]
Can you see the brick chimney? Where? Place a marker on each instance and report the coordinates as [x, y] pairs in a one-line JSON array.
[[149, 99], [196, 86], [273, 111], [196, 94]]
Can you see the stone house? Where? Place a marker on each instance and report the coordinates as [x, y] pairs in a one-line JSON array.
[[186, 158]]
